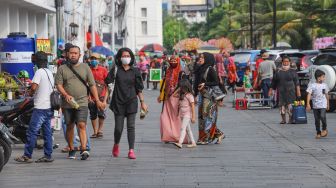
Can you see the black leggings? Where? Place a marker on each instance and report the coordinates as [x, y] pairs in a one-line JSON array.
[[119, 126]]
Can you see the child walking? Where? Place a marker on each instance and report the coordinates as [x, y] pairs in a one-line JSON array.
[[318, 92], [187, 112]]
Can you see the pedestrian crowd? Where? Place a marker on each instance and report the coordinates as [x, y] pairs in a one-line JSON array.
[[185, 82]]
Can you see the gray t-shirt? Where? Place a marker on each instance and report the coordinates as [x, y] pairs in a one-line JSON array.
[[319, 98], [266, 69], [72, 85]]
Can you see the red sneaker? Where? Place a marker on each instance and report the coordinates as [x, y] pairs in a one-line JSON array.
[[131, 154], [115, 150]]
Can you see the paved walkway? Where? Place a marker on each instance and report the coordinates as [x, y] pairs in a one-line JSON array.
[[257, 152]]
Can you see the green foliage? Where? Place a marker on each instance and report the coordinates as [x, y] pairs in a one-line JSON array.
[[298, 22], [173, 31]]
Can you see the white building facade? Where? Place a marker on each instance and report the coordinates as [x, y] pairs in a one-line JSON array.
[[28, 16], [143, 23]]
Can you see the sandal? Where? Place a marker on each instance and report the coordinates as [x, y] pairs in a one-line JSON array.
[[282, 122], [66, 149], [44, 159], [93, 136], [23, 159], [100, 135]]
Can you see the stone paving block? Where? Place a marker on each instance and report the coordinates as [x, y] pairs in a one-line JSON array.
[[257, 152]]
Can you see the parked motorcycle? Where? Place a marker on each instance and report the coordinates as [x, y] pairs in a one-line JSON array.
[[5, 145], [16, 116]]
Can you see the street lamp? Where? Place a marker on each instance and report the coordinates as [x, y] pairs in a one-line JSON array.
[[74, 29], [274, 31]]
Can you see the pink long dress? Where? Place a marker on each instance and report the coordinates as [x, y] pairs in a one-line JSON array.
[[170, 122]]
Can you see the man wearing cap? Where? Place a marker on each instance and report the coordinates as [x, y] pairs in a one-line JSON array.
[[265, 75], [99, 74], [41, 88]]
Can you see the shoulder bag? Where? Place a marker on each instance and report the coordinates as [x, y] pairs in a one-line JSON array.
[[55, 96], [80, 78], [214, 91]]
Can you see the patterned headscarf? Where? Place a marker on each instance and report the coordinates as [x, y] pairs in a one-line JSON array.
[[171, 78]]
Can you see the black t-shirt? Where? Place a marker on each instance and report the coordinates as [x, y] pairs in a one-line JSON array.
[[127, 85]]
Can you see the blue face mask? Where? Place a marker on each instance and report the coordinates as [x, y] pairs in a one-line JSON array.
[[110, 62], [93, 63]]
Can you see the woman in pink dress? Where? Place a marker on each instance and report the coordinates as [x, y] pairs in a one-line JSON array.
[[143, 66], [170, 123]]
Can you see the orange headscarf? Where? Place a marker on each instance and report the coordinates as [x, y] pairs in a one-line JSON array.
[[171, 78]]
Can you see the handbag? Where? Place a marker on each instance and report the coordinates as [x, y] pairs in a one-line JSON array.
[[214, 91], [55, 96], [299, 115]]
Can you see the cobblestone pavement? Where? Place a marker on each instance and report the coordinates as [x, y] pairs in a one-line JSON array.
[[257, 152]]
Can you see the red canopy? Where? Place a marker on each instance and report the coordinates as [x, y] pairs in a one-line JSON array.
[[152, 48], [99, 42]]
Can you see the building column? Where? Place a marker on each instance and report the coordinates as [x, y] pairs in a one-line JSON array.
[[13, 19], [42, 25], [4, 19], [32, 24], [23, 21]]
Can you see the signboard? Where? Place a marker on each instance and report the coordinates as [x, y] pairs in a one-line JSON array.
[[15, 57], [43, 45], [155, 75]]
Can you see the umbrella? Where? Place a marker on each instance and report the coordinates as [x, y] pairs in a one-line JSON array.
[[102, 50], [209, 49], [152, 48]]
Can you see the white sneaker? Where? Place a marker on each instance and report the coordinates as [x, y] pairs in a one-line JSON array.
[[191, 145], [178, 145]]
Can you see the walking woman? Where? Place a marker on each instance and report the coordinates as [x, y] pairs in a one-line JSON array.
[[286, 81], [124, 104], [170, 122], [205, 77]]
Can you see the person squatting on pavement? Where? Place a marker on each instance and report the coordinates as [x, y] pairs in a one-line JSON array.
[[75, 93], [41, 88], [124, 104], [318, 92], [99, 75]]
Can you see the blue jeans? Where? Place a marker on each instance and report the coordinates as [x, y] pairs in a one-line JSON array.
[[40, 118], [75, 140], [265, 86]]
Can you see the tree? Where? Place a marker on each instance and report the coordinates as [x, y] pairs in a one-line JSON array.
[[173, 31], [298, 21]]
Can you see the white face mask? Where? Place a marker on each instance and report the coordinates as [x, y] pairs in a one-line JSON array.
[[125, 60], [286, 67]]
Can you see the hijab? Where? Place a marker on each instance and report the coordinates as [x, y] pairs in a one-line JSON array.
[[171, 78], [209, 60]]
